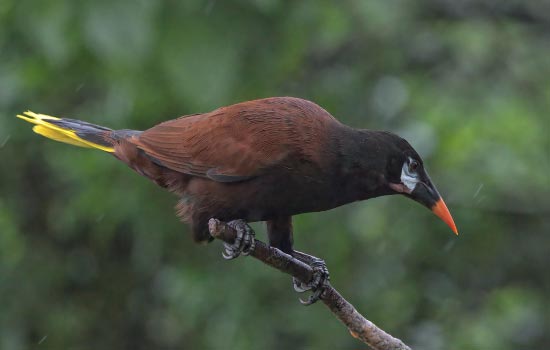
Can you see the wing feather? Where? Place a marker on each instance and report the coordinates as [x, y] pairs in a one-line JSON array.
[[234, 143]]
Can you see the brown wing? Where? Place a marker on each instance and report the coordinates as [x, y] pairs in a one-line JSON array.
[[237, 142]]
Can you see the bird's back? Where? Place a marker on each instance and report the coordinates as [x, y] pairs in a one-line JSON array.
[[240, 141]]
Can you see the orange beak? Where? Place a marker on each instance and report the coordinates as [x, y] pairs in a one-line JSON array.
[[440, 209]]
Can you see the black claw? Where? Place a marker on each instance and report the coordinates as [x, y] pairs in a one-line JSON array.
[[244, 242], [317, 284], [229, 254], [314, 297], [299, 286]]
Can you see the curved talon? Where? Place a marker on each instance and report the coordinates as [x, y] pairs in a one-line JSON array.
[[228, 254], [317, 284], [244, 242], [314, 297], [299, 286]]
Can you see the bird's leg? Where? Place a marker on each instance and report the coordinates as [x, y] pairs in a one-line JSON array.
[[319, 280], [279, 232], [244, 242]]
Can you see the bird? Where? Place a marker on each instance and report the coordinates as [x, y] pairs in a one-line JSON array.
[[261, 160]]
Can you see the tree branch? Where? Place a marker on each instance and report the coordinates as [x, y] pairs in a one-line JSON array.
[[359, 326]]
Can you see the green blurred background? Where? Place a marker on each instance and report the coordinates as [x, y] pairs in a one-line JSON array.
[[93, 257]]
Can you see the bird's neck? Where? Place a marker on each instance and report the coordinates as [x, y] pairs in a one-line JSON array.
[[361, 164]]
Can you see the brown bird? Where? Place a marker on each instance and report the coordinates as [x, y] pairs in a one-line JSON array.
[[262, 160]]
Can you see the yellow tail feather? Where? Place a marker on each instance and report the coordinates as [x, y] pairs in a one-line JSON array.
[[57, 133]]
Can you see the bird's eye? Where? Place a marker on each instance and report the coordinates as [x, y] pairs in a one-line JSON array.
[[413, 165]]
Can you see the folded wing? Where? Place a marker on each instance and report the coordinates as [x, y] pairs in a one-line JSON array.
[[222, 145]]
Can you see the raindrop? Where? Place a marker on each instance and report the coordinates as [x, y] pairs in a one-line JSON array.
[[478, 190], [450, 244], [42, 340], [5, 141]]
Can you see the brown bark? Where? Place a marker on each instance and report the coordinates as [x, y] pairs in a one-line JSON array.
[[359, 326]]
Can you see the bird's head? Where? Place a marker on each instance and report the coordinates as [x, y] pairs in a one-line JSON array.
[[407, 175]]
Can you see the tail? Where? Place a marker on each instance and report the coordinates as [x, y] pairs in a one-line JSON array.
[[74, 132]]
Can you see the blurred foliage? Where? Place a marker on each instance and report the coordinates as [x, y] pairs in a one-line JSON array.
[[92, 256]]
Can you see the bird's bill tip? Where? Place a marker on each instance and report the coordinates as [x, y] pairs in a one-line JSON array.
[[440, 209]]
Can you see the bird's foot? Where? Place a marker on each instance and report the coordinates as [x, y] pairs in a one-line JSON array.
[[318, 282], [244, 242]]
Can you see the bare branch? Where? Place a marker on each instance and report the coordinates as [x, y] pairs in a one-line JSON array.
[[359, 326]]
